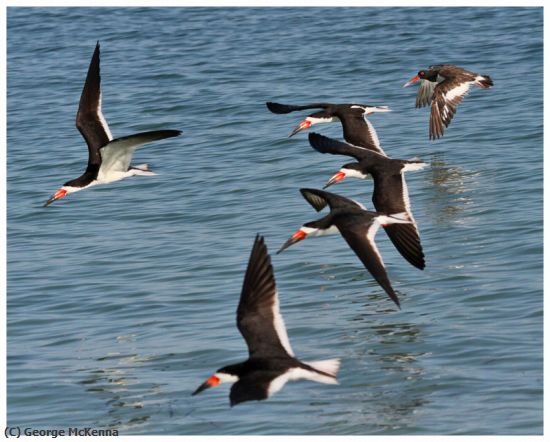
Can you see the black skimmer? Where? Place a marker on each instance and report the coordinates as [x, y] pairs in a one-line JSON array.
[[357, 225], [357, 129], [390, 193], [444, 86], [108, 158], [271, 362]]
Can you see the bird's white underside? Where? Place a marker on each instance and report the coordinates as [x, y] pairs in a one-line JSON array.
[[297, 373]]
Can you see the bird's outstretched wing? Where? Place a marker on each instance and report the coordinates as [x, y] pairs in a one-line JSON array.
[[447, 96], [89, 118], [329, 145], [360, 237], [278, 108], [258, 316], [117, 154]]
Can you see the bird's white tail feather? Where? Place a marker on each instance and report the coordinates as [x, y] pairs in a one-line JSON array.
[[329, 366], [143, 167], [142, 172], [379, 109], [415, 164]]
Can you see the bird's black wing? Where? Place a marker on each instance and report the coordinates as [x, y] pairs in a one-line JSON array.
[[258, 316], [446, 97], [391, 196], [406, 240], [318, 199], [278, 108], [360, 237], [329, 145], [89, 119]]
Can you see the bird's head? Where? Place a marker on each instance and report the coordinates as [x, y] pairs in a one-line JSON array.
[[62, 192], [351, 170], [220, 377], [315, 118], [308, 229], [425, 74]]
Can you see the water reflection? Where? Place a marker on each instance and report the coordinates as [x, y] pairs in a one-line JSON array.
[[393, 353], [114, 379], [449, 192]]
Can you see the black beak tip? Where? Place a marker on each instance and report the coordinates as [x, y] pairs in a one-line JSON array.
[[198, 390], [202, 387]]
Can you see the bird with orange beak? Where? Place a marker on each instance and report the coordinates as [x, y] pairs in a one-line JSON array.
[[108, 158], [357, 129], [271, 362], [356, 224], [390, 193]]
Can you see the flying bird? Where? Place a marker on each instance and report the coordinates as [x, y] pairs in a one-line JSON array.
[[444, 86], [390, 194], [108, 158], [357, 226], [357, 129], [271, 361]]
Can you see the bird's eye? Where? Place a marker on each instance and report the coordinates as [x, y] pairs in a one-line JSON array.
[[421, 73]]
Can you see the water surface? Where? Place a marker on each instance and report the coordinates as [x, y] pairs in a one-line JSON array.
[[122, 298]]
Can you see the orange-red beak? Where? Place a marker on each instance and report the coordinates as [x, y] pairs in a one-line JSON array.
[[298, 236], [339, 176], [303, 125], [57, 195], [212, 381], [411, 81]]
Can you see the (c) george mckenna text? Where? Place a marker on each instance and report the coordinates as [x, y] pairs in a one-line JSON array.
[[71, 431]]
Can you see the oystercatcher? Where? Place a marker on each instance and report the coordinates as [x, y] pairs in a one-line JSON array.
[[357, 129], [390, 193], [271, 362], [108, 158], [357, 225], [444, 86]]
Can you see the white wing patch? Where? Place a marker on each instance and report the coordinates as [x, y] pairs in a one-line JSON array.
[[405, 192], [453, 97], [102, 119], [371, 233], [407, 202], [458, 91], [374, 137], [279, 326]]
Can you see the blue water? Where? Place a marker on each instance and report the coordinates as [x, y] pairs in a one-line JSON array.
[[122, 298]]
